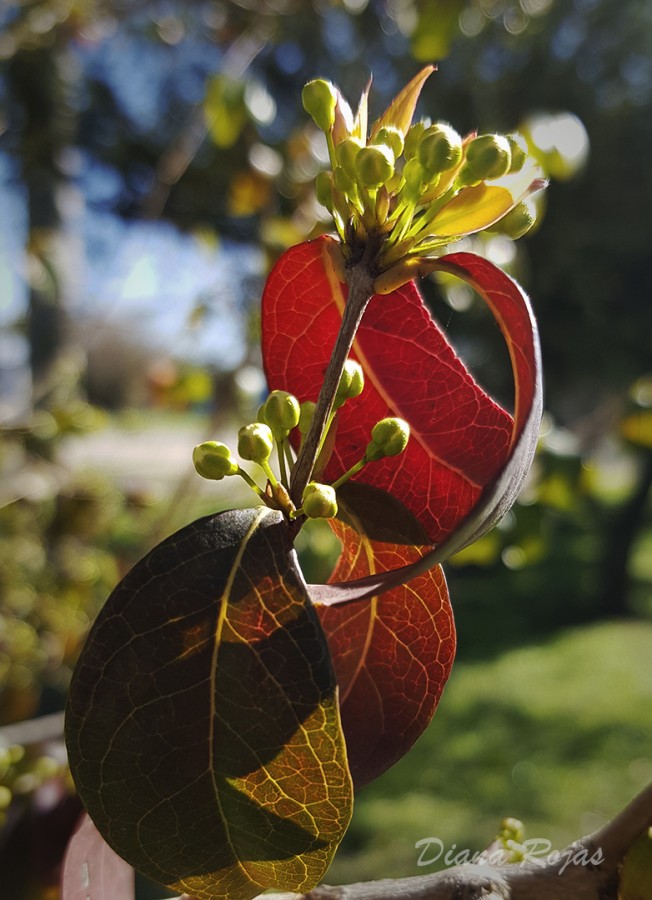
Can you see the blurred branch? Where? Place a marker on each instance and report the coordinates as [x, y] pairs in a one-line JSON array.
[[33, 731], [179, 155]]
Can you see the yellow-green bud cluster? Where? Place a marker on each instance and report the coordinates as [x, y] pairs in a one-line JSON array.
[[395, 182], [277, 417]]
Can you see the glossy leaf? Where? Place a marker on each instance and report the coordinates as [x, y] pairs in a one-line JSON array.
[[460, 436], [471, 210], [203, 729], [481, 206], [92, 869], [392, 653]]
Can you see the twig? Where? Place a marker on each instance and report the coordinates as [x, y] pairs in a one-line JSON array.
[[585, 870], [360, 293]]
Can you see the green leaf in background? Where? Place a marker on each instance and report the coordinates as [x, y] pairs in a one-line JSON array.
[[203, 728]]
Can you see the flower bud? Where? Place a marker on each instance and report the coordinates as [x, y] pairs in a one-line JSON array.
[[389, 437], [213, 460], [414, 178], [319, 501], [512, 829], [519, 220], [319, 100], [413, 139], [351, 383], [281, 412], [347, 152], [392, 137], [324, 189], [343, 181], [440, 149], [255, 442], [487, 156], [305, 416], [519, 150], [374, 165]]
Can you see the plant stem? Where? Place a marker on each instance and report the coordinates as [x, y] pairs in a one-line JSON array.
[[252, 484], [352, 471], [280, 450], [360, 293]]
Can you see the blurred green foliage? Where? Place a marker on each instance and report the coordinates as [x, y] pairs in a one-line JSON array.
[[556, 733]]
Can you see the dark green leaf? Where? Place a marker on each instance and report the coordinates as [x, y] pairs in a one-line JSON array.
[[203, 727]]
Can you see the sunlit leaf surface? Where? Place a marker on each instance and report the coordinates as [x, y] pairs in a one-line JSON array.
[[203, 728], [392, 653], [460, 436]]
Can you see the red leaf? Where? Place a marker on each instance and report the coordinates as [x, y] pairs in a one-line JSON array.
[[92, 869], [461, 438], [392, 654]]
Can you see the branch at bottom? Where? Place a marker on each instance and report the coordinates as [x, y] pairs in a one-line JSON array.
[[585, 870]]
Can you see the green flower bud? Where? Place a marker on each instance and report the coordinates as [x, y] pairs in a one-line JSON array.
[[281, 412], [440, 149], [512, 829], [389, 437], [487, 156], [374, 165], [392, 137], [519, 150], [255, 442], [347, 153], [414, 177], [413, 139], [324, 189], [319, 100], [213, 460], [351, 383], [519, 220], [319, 501], [305, 416], [343, 181]]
